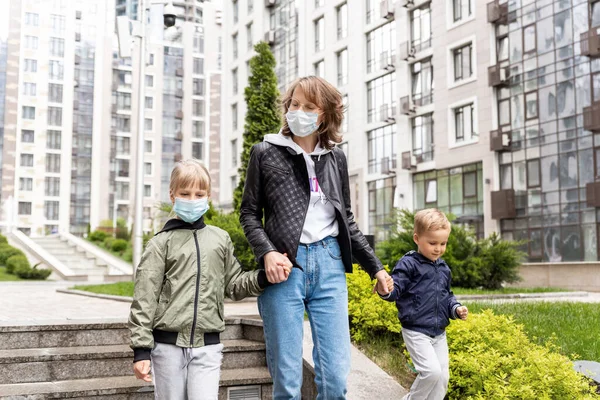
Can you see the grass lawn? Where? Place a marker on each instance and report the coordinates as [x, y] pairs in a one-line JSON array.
[[5, 276], [115, 289], [575, 324], [509, 290]]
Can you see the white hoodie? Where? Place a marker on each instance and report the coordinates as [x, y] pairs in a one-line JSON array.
[[320, 220]]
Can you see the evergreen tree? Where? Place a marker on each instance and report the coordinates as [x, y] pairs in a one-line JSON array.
[[263, 111]]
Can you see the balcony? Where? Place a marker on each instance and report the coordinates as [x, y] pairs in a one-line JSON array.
[[498, 76], [503, 204], [592, 194], [497, 13], [590, 43], [500, 140], [591, 117]]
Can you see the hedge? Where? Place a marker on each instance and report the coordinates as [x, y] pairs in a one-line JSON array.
[[15, 262]]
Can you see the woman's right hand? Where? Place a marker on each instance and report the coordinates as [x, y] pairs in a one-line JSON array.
[[142, 370], [277, 266]]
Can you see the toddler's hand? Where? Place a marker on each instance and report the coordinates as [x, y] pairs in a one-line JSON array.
[[390, 284], [142, 370], [462, 312]]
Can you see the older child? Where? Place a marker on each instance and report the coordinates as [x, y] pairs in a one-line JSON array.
[[421, 290], [177, 310]]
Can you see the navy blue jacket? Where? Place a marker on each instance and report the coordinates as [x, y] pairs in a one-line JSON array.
[[422, 294]]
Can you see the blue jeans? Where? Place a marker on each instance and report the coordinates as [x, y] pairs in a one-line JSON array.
[[320, 289]]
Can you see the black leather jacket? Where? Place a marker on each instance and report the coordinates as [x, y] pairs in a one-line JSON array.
[[277, 184]]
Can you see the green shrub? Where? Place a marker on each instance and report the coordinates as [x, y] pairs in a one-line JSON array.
[[3, 239], [492, 358], [119, 245], [128, 254], [231, 223], [27, 272], [97, 236], [108, 242], [15, 262], [122, 233], [7, 251], [106, 223]]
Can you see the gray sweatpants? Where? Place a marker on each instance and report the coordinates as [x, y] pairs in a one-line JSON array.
[[186, 373], [430, 357]]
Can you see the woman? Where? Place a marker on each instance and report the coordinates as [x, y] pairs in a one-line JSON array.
[[299, 179]]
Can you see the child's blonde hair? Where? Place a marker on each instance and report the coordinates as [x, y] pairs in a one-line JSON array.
[[430, 219], [190, 172]]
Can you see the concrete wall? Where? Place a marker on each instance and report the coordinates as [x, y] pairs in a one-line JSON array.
[[574, 276]]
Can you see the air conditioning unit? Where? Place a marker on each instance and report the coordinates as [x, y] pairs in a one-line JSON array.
[[270, 37], [179, 114], [409, 161], [179, 72], [407, 106], [392, 116], [179, 93], [412, 51], [383, 113], [408, 3], [386, 11], [179, 136], [383, 59], [75, 104], [385, 166], [270, 3], [391, 62]]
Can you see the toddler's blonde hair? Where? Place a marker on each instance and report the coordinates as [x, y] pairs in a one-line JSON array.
[[190, 172], [430, 219]]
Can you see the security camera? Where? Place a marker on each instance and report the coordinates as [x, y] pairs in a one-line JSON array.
[[169, 16]]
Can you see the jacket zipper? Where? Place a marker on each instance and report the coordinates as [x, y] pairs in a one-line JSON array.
[[437, 297], [197, 290]]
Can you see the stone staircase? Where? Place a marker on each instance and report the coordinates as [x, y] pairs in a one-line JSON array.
[[93, 361]]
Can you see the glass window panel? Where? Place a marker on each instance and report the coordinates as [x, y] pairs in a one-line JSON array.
[[443, 196], [590, 242], [431, 194], [456, 189], [571, 243]]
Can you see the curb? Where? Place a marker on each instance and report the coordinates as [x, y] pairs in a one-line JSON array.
[[127, 299], [521, 296]]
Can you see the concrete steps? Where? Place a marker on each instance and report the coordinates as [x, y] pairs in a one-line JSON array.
[[93, 360]]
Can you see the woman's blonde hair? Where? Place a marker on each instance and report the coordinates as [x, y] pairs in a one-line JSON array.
[[430, 219], [190, 172], [327, 98]]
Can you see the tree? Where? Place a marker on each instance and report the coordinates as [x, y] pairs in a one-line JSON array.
[[263, 112]]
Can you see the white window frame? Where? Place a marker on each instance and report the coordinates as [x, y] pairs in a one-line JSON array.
[[450, 24], [450, 61], [452, 143]]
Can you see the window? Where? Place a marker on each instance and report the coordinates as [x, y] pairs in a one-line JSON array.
[[198, 66], [461, 9], [381, 98], [151, 59], [236, 11], [320, 34], [529, 39], [381, 204], [53, 163], [197, 150], [382, 144], [595, 17], [345, 119], [320, 68], [422, 82], [28, 112], [422, 137], [531, 105], [147, 190], [29, 89], [234, 117], [464, 119], [55, 93], [26, 184], [122, 168], [123, 101], [533, 173], [234, 153], [27, 136], [234, 45], [198, 108], [149, 102], [342, 21], [24, 208], [149, 81], [122, 189], [249, 35], [57, 47], [148, 169], [198, 87], [234, 80], [197, 129], [122, 123], [30, 65], [55, 116], [31, 42], [56, 69], [52, 186], [58, 23], [53, 140], [381, 47], [250, 6], [421, 32], [123, 146], [51, 210], [26, 160], [148, 124], [462, 62], [32, 19], [148, 146], [342, 66], [319, 3]]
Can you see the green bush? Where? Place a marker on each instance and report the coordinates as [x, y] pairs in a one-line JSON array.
[[492, 358], [97, 236], [231, 223], [119, 245], [486, 263], [3, 239], [15, 262], [108, 242], [7, 251], [128, 254], [27, 272]]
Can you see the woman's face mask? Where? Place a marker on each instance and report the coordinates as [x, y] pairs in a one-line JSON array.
[[302, 123]]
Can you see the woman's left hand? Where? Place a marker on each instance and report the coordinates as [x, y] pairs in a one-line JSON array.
[[382, 279]]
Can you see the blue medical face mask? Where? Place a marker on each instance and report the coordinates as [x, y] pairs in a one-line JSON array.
[[301, 123], [190, 210]]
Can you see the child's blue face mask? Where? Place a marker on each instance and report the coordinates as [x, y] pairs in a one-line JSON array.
[[190, 210]]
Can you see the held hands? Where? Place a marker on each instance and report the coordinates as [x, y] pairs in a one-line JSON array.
[[277, 266], [142, 370], [462, 312], [385, 283]]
